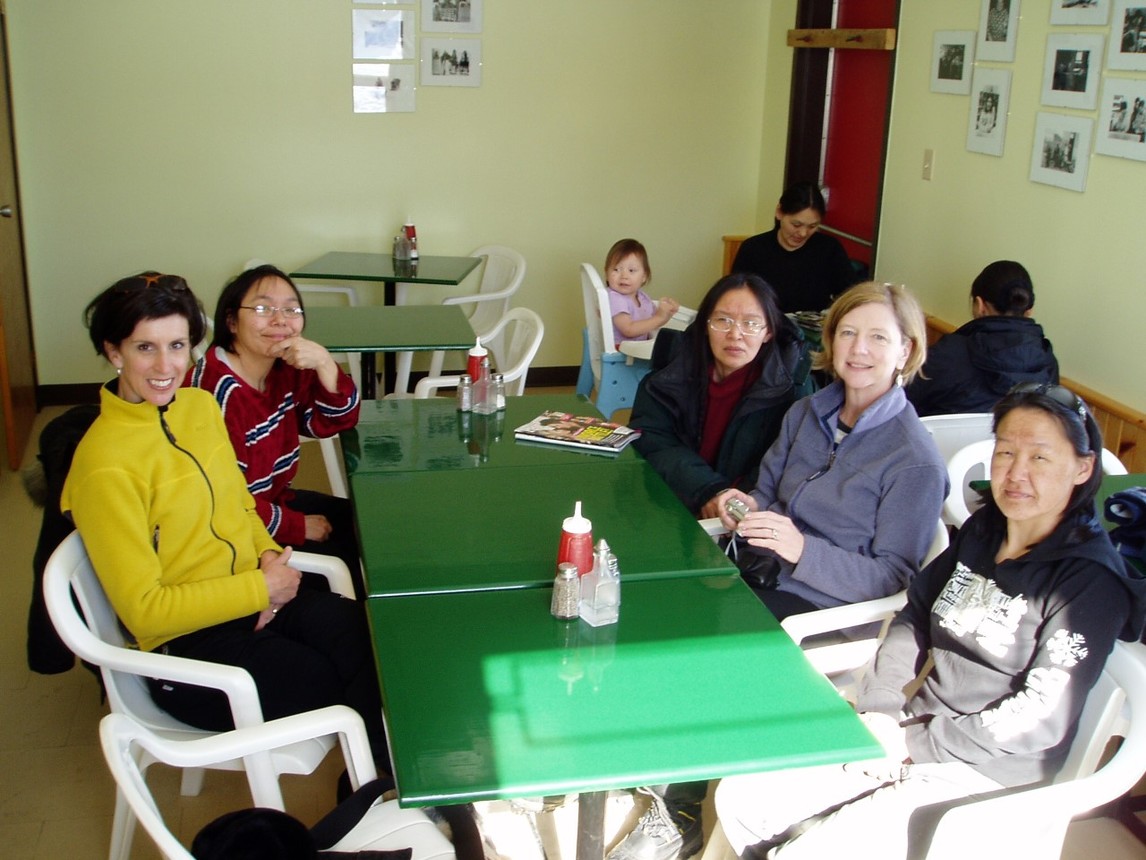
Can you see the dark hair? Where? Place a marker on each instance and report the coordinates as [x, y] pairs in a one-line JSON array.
[[1006, 286], [227, 308], [624, 248], [1080, 429], [696, 345], [112, 316], [800, 196]]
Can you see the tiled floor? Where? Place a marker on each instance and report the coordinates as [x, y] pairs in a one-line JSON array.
[[56, 797]]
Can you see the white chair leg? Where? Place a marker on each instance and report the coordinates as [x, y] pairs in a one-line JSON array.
[[402, 372], [192, 782], [436, 361], [333, 462], [122, 829]]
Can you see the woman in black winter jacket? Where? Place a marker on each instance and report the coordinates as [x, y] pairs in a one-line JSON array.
[[970, 369], [707, 417]]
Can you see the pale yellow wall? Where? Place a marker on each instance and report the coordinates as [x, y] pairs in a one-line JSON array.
[[189, 137], [1083, 250]]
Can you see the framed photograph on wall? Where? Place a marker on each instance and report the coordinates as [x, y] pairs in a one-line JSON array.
[[987, 119], [1122, 125], [1128, 36], [383, 34], [383, 87], [952, 56], [451, 16], [1071, 71], [1092, 12], [451, 62], [1061, 152], [998, 30]]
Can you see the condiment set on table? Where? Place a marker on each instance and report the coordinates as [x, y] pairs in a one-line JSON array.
[[588, 582]]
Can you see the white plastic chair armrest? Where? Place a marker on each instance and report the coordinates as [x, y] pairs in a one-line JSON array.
[[806, 624], [272, 735], [642, 349], [480, 297], [332, 567], [428, 385]]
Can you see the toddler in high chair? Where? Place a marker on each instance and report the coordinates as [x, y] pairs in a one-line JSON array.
[[635, 315]]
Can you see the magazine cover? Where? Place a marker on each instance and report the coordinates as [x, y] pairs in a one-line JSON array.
[[577, 431]]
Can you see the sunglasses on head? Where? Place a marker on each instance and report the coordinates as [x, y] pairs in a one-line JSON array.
[[1057, 393]]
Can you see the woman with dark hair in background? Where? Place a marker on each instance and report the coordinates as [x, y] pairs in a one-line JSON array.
[[971, 368], [806, 268], [707, 417], [274, 385]]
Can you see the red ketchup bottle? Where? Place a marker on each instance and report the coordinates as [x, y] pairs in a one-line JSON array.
[[576, 542], [473, 364]]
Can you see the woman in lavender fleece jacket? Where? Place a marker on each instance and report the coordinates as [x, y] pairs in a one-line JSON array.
[[849, 494]]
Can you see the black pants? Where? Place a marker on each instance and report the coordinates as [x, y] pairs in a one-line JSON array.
[[342, 542], [316, 652]]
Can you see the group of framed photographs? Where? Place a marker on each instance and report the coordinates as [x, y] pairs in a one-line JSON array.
[[386, 58], [1072, 74]]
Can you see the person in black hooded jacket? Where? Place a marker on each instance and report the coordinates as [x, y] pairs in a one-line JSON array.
[[707, 417], [1019, 615], [974, 366]]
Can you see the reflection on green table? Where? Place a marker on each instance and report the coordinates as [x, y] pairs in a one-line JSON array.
[[488, 696], [461, 529], [431, 435]]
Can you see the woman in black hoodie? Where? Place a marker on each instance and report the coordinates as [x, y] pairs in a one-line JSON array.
[[971, 368], [1018, 614]]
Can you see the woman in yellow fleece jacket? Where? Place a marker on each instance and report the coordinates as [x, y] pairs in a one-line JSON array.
[[176, 541]]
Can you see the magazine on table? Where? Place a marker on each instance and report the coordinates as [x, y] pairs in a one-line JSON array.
[[577, 431]]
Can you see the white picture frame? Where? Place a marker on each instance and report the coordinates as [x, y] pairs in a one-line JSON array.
[[452, 16], [998, 31], [1060, 154], [1094, 13], [382, 87], [987, 118], [952, 60], [1071, 70], [1122, 123], [451, 62], [1128, 36], [383, 34]]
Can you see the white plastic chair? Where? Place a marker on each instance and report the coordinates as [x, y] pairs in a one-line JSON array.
[[614, 371], [501, 275], [385, 826], [840, 656], [512, 361], [1032, 822], [974, 461], [92, 630], [952, 433]]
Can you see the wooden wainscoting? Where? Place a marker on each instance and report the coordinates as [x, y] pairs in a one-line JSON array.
[[1123, 428]]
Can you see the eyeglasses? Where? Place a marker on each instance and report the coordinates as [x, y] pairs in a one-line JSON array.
[[1060, 395], [268, 311], [749, 328]]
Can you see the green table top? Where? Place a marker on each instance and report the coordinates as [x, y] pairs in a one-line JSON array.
[[385, 328], [431, 435], [352, 266], [488, 696], [470, 529]]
